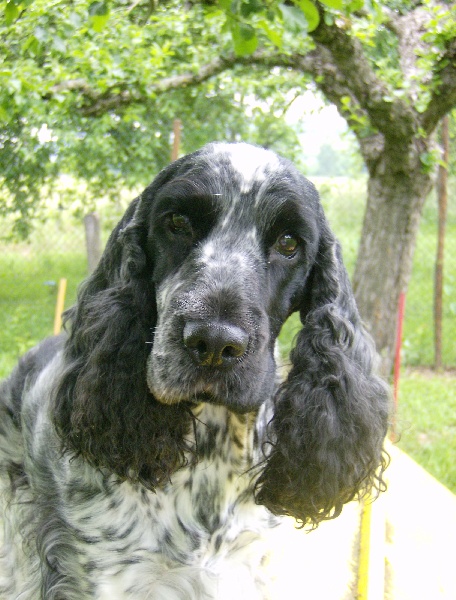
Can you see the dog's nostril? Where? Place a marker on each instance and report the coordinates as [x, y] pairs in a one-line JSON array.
[[215, 344], [201, 347], [232, 352]]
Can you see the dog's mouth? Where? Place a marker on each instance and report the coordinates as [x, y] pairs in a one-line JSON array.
[[205, 396], [173, 379], [200, 393]]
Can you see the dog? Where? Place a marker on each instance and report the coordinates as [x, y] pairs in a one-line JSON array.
[[145, 452]]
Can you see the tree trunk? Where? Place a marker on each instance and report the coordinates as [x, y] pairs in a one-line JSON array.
[[396, 195]]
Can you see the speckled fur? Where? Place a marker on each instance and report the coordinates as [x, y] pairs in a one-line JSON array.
[[129, 471]]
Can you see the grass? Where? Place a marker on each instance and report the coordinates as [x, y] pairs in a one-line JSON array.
[[427, 401], [427, 421], [418, 347], [27, 311], [29, 275]]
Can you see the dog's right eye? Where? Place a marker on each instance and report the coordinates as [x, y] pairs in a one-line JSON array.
[[287, 245], [180, 224]]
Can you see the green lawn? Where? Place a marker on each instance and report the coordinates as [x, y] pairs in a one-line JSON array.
[[427, 421], [28, 291]]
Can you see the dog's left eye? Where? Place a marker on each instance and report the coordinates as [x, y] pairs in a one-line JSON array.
[[287, 245], [180, 224]]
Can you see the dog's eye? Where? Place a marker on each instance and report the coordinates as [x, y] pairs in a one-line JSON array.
[[180, 224], [287, 245]]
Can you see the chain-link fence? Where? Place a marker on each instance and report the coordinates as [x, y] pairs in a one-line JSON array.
[[30, 271]]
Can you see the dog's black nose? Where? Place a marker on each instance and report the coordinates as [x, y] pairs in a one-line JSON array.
[[215, 343]]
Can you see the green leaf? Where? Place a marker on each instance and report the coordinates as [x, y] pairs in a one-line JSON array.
[[244, 37], [354, 6], [274, 36], [4, 115], [335, 4], [247, 32], [98, 9], [250, 7], [428, 161], [310, 12], [293, 19], [225, 5], [11, 13], [99, 22], [99, 15]]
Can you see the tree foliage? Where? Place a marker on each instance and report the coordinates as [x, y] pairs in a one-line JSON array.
[[91, 87], [83, 92]]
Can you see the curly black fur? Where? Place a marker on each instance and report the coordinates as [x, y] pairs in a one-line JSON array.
[[104, 410]]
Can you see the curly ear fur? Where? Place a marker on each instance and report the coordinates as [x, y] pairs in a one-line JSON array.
[[330, 415], [103, 408]]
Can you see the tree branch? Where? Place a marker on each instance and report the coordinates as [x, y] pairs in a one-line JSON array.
[[409, 29], [394, 118], [443, 97], [96, 104], [317, 63], [340, 70]]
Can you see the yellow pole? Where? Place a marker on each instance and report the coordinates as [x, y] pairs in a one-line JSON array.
[[371, 569], [364, 552], [59, 305]]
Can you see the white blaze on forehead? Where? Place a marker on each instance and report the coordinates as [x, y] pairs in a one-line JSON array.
[[252, 163]]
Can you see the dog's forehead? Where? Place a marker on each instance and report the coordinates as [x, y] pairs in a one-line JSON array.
[[240, 187], [251, 164]]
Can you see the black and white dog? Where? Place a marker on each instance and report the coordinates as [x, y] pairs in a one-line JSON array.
[[143, 454]]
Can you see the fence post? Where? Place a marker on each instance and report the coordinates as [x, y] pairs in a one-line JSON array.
[[397, 365], [442, 199], [59, 306], [177, 128], [93, 240]]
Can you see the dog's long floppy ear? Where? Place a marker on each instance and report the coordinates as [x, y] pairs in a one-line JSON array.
[[330, 415], [103, 409]]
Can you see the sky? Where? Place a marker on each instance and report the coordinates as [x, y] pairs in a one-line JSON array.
[[321, 124]]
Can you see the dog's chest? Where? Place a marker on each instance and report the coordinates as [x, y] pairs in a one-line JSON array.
[[204, 521], [203, 528]]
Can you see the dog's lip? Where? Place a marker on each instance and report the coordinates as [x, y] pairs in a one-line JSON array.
[[200, 393], [200, 397], [204, 397]]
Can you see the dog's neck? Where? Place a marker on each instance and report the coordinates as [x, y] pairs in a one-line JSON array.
[[220, 475], [226, 435]]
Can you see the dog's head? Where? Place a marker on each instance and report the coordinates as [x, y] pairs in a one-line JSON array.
[[231, 236], [185, 307]]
